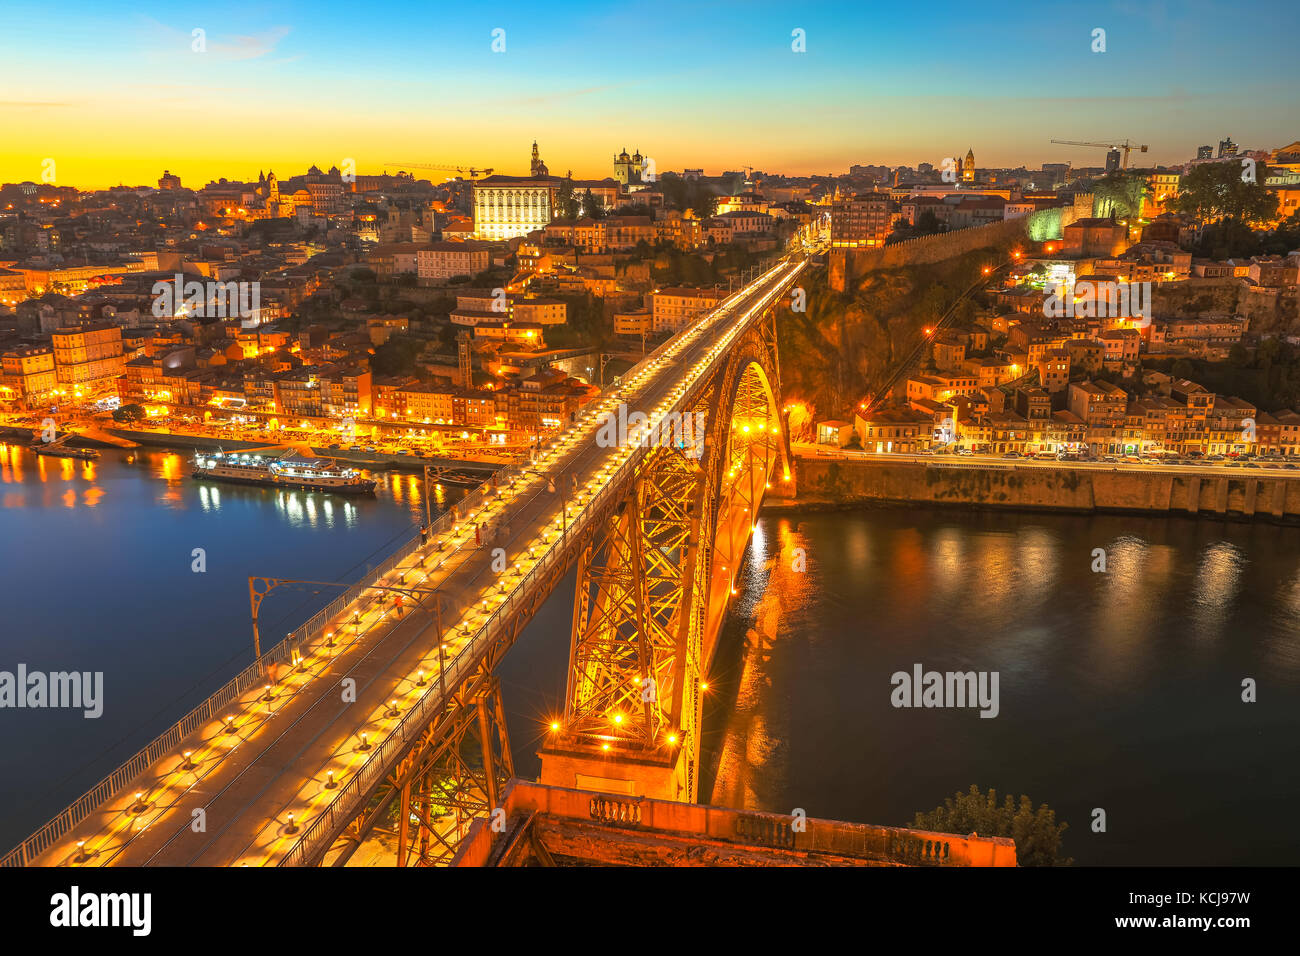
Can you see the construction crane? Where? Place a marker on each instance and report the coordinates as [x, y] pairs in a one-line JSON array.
[[1125, 146], [474, 171]]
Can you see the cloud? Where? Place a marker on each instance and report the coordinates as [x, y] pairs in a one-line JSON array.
[[250, 47], [220, 46]]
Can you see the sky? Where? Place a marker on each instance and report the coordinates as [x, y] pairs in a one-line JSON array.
[[116, 93]]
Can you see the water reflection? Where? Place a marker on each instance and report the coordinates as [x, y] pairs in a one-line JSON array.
[[73, 483], [1217, 581], [1096, 666]]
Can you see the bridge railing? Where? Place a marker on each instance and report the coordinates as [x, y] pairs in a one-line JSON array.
[[343, 807], [312, 631], [315, 838]]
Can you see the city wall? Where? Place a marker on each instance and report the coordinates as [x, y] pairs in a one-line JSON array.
[[830, 483], [846, 265]]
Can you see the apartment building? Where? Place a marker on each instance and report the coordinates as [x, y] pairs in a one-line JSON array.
[[675, 308], [88, 357], [439, 261]]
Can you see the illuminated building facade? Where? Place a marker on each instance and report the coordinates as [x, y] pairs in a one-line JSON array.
[[863, 221], [509, 206], [89, 357], [27, 375]]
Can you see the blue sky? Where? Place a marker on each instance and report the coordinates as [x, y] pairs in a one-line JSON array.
[[115, 92]]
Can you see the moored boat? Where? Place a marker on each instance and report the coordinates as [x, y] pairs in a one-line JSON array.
[[283, 471], [55, 450]]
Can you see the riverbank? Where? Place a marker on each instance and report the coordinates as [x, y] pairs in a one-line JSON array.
[[835, 484], [371, 460]]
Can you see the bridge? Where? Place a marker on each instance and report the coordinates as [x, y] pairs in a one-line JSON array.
[[385, 703]]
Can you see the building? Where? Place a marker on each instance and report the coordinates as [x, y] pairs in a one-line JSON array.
[[89, 357], [440, 261], [27, 376], [168, 181], [1098, 403], [629, 169], [675, 308], [506, 207], [894, 429], [537, 311], [1093, 237], [636, 323], [862, 221]]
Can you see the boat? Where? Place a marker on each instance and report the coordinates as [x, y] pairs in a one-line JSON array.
[[455, 476], [55, 450], [281, 471]]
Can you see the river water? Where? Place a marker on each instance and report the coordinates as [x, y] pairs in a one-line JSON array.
[[1118, 690]]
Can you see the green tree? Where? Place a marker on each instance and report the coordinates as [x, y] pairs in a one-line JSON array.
[[1215, 191], [1036, 832], [396, 356], [591, 206], [1120, 194], [565, 201], [128, 413]]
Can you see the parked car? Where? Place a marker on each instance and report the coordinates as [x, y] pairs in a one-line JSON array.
[[1012, 454], [1215, 458]]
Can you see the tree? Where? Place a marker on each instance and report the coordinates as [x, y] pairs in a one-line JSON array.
[[128, 413], [396, 357], [1036, 832], [1183, 369], [591, 206], [1120, 194], [705, 204], [927, 224], [1215, 191], [565, 201]]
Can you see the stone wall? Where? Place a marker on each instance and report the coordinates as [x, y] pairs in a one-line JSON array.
[[846, 265], [831, 482]]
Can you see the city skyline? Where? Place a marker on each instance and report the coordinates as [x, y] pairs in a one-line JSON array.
[[859, 94]]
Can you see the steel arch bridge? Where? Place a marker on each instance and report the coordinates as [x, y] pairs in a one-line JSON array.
[[655, 581], [656, 524]]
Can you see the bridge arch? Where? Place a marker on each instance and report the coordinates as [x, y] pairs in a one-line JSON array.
[[655, 583]]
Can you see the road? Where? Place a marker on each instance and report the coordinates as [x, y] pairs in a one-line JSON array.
[[245, 788], [1213, 469]]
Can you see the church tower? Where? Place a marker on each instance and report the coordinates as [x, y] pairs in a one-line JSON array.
[[538, 167], [968, 168]]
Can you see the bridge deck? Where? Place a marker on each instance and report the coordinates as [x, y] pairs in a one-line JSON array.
[[278, 756]]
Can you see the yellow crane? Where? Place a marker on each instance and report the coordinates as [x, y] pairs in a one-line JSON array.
[[473, 171], [1125, 146]]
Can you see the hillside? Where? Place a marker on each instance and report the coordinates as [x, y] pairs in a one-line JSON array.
[[844, 345]]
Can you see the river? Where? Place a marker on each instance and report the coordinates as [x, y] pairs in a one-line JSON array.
[[1118, 690]]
